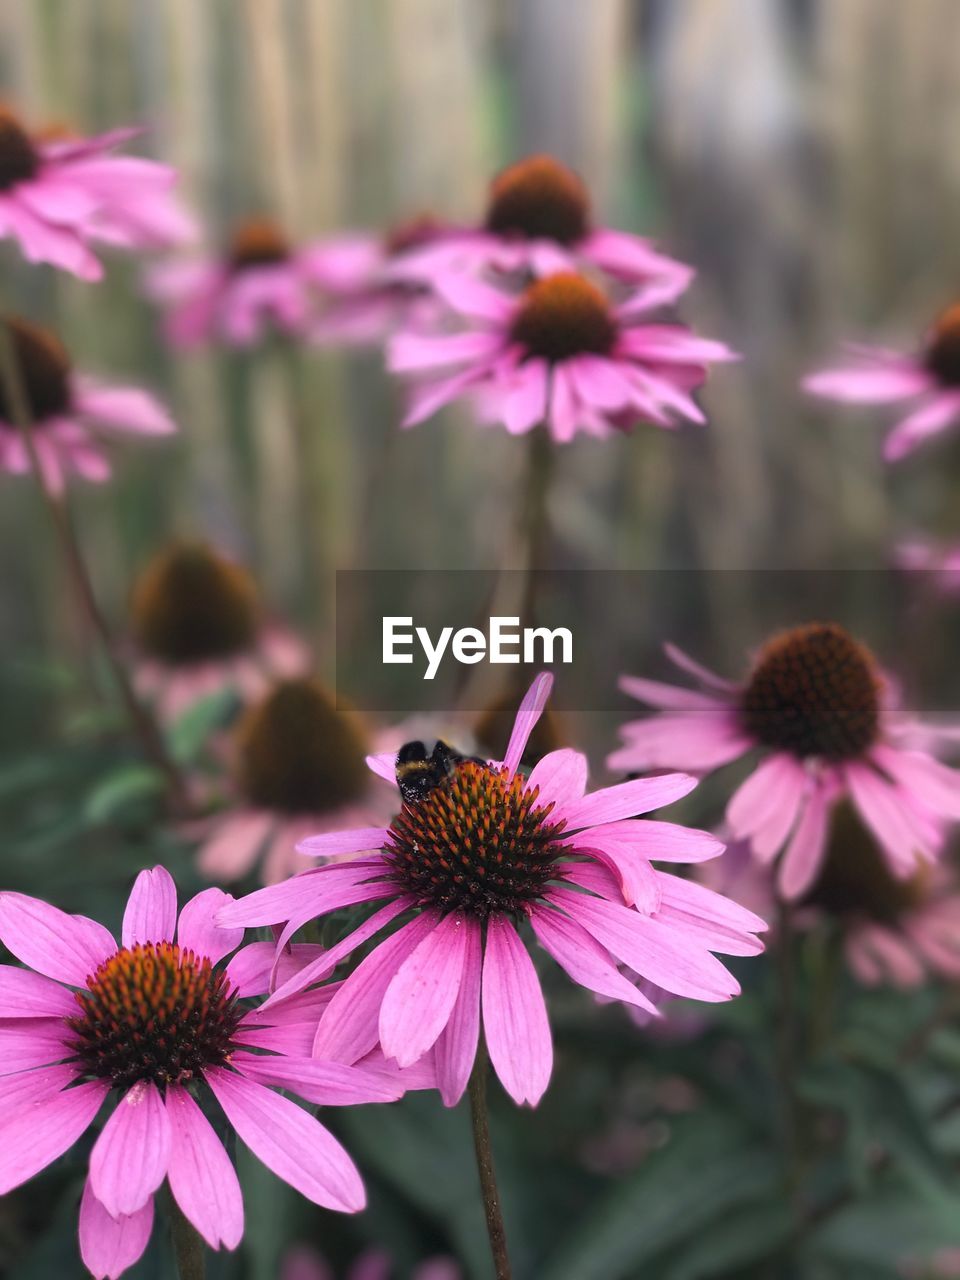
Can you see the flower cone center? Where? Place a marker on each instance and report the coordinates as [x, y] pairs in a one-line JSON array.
[[564, 316], [477, 842], [855, 879], [814, 692], [539, 199], [154, 1012], [19, 161], [192, 605], [44, 370], [257, 242], [298, 754], [943, 347]]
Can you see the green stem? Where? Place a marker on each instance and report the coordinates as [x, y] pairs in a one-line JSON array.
[[534, 521], [477, 1090], [188, 1245], [15, 394]]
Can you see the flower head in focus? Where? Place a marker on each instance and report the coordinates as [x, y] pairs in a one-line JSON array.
[[155, 1026], [560, 352], [60, 193], [198, 627], [465, 869], [930, 378], [825, 720], [261, 283], [71, 414], [299, 768], [539, 221]]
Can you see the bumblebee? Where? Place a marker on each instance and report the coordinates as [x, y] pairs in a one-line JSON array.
[[419, 773]]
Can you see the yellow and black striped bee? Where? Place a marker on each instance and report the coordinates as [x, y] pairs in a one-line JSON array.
[[420, 772]]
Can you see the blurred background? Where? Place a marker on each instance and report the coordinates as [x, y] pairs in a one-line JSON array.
[[800, 153]]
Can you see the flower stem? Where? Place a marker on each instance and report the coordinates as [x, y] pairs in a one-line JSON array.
[[534, 516], [187, 1243], [11, 379], [477, 1090]]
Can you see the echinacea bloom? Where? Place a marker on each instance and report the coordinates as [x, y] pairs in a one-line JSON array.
[[261, 284], [199, 627], [159, 1024], [299, 768], [826, 721], [375, 1264], [560, 352], [72, 415], [460, 869], [941, 563], [539, 221], [58, 194], [929, 377]]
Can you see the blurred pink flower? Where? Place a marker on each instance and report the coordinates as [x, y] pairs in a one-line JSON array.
[[559, 353], [302, 1263], [59, 193], [298, 768], [463, 865], [155, 1020], [261, 284], [826, 720], [942, 563], [539, 221], [876, 375], [198, 627], [71, 413]]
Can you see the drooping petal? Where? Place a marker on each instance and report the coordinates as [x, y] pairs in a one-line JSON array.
[[151, 911], [804, 853], [289, 1141], [759, 799], [108, 1246], [701, 742], [931, 781], [583, 958], [420, 998], [67, 948], [514, 1015], [129, 1159], [44, 1128], [201, 1175], [328, 1084], [456, 1049]]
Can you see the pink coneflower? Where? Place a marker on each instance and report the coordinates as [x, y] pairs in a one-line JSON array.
[[375, 1264], [931, 377], [161, 1024], [539, 221], [561, 353], [299, 768], [825, 718], [942, 563], [57, 194], [262, 283], [364, 298], [71, 414], [462, 866], [199, 627]]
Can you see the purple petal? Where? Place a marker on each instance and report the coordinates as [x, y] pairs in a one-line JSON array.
[[804, 853], [775, 782], [659, 841], [529, 712], [420, 998], [879, 384], [197, 928], [669, 697], [626, 800], [361, 840], [24, 994], [289, 1141], [560, 776], [514, 1015], [250, 970], [125, 408], [309, 893], [583, 959], [473, 298], [201, 1175], [328, 1084], [456, 1048], [929, 420], [67, 948], [108, 1246], [129, 1159], [416, 352], [151, 912], [44, 1129], [32, 1042]]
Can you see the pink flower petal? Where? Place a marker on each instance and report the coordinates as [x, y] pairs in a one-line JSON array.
[[249, 971], [201, 1174], [24, 994], [776, 781], [473, 298], [514, 1015], [44, 1128], [126, 408], [198, 930], [559, 776], [420, 998], [626, 800], [529, 712], [804, 854], [456, 1048], [929, 420], [231, 851], [67, 948], [362, 840], [525, 405], [637, 878], [583, 959], [108, 1246], [698, 671], [151, 911], [670, 697], [384, 765], [889, 817], [328, 1084], [660, 841], [129, 1159], [701, 742], [32, 1042], [414, 352], [316, 891], [877, 384], [289, 1141]]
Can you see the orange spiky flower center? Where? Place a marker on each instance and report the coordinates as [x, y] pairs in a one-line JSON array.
[[257, 242], [44, 372], [539, 199], [562, 316]]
